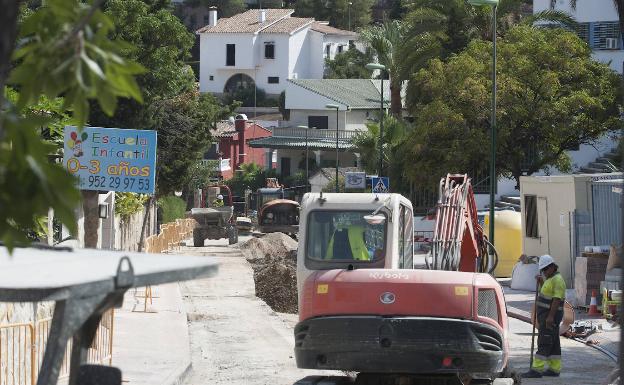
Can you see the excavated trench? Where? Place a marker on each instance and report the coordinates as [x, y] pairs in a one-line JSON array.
[[274, 261]]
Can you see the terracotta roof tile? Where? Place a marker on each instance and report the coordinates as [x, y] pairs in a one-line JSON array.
[[288, 25], [246, 22], [322, 27]]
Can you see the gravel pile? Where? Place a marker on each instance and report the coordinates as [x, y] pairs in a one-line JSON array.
[[274, 261]]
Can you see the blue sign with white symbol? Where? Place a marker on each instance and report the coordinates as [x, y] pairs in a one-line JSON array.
[[381, 184], [111, 159]]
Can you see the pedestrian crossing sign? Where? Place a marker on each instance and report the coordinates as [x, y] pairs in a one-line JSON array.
[[381, 184]]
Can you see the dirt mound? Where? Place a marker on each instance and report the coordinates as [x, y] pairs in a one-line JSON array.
[[274, 261]]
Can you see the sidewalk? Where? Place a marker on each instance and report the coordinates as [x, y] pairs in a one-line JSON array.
[[152, 348], [520, 303]]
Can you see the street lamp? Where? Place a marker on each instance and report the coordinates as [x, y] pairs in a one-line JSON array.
[[381, 68], [349, 5], [493, 3], [306, 155], [336, 107]]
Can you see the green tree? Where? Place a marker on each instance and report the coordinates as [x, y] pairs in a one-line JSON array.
[[350, 64], [456, 23], [225, 8], [337, 12], [395, 147], [552, 97], [183, 124], [161, 44], [64, 48], [250, 176]]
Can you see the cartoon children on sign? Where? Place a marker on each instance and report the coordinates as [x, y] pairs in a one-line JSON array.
[[76, 144]]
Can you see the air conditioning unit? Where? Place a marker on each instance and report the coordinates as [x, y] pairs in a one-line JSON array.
[[611, 43]]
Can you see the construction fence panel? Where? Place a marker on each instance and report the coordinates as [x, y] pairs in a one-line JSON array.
[[22, 347], [17, 350]]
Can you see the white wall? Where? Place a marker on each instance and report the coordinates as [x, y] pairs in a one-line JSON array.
[[298, 98], [317, 59], [213, 56], [300, 117], [615, 59], [586, 10], [299, 54], [272, 67]]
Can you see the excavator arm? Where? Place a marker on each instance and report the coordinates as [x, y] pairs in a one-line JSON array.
[[459, 243]]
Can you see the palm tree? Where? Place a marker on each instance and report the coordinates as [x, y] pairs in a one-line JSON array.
[[366, 143], [401, 51]]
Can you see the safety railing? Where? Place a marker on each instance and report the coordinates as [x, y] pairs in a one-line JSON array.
[[170, 238], [22, 347]]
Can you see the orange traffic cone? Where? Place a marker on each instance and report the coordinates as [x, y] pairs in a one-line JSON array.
[[593, 305]]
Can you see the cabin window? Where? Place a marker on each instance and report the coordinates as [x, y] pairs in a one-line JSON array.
[[344, 236]]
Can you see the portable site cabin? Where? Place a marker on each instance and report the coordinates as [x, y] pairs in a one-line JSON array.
[[562, 214]]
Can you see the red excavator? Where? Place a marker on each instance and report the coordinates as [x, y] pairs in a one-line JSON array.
[[363, 307]]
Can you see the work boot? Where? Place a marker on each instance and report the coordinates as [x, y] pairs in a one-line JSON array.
[[531, 374], [550, 373]]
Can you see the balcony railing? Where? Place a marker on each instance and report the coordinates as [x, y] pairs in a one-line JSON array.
[[313, 133]]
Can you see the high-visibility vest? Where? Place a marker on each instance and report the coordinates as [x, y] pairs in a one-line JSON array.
[[356, 243]]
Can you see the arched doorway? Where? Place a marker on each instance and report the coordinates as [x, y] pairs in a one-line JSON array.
[[238, 82]]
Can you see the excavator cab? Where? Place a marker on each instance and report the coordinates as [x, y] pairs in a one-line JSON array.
[[364, 308]]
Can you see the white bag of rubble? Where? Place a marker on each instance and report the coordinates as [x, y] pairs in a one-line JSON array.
[[523, 276]]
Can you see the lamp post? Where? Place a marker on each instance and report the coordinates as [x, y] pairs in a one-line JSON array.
[[306, 155], [381, 68], [493, 3], [336, 107], [349, 5]]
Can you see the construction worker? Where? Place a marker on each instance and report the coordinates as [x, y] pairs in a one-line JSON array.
[[549, 313], [348, 243], [218, 202]]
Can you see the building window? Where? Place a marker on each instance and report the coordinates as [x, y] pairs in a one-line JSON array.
[[327, 50], [211, 77], [273, 80], [606, 35], [340, 47], [230, 57], [269, 50], [530, 220], [318, 122]]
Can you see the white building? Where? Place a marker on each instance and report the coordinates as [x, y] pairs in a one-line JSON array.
[[358, 102], [598, 26], [266, 47]]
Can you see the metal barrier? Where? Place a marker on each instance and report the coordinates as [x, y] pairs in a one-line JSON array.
[[17, 352], [22, 347], [170, 237]]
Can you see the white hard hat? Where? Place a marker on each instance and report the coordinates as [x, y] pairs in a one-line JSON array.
[[545, 261], [219, 196]]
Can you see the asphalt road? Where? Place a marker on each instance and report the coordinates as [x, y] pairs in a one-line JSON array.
[[237, 339]]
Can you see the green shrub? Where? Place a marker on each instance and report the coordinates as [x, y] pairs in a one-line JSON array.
[[172, 208]]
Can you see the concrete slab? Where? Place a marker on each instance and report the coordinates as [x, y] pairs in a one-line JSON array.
[[152, 348]]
